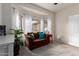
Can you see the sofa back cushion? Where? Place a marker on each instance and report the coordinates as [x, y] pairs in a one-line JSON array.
[[36, 35]]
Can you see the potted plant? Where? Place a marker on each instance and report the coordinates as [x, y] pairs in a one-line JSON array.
[[18, 37], [18, 43]]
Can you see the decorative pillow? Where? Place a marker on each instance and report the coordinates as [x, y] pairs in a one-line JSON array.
[[42, 35], [31, 35]]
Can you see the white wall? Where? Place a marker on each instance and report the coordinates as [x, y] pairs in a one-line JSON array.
[[0, 14], [62, 19], [7, 16]]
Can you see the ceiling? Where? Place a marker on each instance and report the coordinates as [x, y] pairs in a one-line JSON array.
[[52, 7]]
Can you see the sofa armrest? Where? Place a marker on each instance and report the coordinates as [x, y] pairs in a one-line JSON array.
[[47, 36], [27, 41]]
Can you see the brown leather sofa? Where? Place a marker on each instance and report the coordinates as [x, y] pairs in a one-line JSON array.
[[36, 42]]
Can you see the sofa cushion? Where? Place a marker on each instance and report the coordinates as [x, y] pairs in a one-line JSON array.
[[36, 40], [42, 35]]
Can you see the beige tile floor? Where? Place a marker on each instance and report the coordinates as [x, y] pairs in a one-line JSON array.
[[57, 49]]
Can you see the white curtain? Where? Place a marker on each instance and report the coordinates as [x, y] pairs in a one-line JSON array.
[[15, 20], [42, 25], [49, 24], [28, 24], [23, 23], [73, 30]]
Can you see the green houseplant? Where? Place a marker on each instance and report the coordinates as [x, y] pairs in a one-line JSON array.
[[18, 37], [18, 42]]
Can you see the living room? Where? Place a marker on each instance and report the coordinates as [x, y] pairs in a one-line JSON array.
[[48, 29]]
